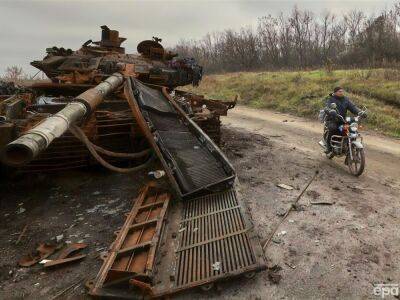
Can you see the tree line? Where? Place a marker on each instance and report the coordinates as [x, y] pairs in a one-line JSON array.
[[302, 40]]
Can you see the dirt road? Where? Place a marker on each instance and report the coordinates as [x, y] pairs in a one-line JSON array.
[[324, 251], [383, 153]]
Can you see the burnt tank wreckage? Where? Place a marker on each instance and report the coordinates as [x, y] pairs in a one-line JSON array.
[[103, 106], [111, 124]]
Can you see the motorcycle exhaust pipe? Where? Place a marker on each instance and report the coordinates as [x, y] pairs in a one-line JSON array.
[[28, 146]]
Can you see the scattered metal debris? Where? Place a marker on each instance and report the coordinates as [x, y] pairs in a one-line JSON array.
[[130, 271], [21, 234], [132, 254], [363, 188], [285, 186], [294, 205], [70, 249], [42, 251], [59, 261], [322, 202], [290, 266]]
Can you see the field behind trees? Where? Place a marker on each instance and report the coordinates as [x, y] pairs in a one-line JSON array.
[[302, 93]]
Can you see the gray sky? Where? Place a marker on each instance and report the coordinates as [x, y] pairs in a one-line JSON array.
[[28, 27]]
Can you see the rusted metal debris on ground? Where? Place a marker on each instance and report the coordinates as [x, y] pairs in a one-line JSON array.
[[67, 255], [58, 262], [204, 240], [42, 251], [130, 260], [215, 241], [23, 232], [46, 250]]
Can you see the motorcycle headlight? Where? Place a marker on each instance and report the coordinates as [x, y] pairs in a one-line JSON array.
[[354, 127]]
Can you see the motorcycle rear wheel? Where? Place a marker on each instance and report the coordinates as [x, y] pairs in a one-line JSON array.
[[357, 164]]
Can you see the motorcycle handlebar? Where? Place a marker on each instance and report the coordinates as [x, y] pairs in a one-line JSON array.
[[335, 114]]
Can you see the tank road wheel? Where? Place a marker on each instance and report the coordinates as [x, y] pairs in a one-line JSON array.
[[357, 164], [207, 287]]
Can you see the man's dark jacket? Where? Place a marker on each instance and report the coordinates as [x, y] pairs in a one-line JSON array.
[[343, 104]]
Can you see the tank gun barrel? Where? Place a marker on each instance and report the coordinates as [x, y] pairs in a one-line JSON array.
[[34, 141]]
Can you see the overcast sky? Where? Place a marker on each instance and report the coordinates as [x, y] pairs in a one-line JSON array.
[[28, 27]]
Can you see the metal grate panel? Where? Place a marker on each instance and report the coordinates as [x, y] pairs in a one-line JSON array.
[[194, 164], [198, 166], [213, 240]]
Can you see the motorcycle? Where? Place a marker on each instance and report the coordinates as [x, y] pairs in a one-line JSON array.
[[349, 143]]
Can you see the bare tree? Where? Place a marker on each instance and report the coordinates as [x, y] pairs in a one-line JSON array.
[[354, 21], [301, 40], [13, 73]]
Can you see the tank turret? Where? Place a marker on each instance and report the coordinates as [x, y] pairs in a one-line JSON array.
[[95, 61]]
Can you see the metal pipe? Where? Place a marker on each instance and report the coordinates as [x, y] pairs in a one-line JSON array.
[[34, 141]]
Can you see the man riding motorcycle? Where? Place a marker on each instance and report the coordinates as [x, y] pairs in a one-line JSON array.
[[333, 121]]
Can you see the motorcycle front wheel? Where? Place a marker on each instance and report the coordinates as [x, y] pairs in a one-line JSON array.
[[357, 164]]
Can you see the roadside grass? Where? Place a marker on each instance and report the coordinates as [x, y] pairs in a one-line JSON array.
[[303, 93]]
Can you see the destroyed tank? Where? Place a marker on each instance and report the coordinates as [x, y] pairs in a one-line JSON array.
[[95, 60], [85, 88], [102, 106]]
